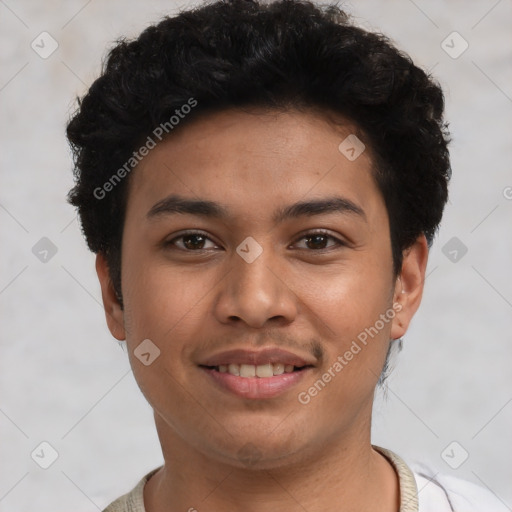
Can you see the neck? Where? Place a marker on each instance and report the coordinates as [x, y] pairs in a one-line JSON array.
[[347, 475]]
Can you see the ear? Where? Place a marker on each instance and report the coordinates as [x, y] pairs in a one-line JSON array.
[[113, 312], [409, 286]]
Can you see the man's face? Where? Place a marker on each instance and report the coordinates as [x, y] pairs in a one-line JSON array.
[[200, 286]]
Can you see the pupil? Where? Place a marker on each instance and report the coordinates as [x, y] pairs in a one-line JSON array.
[[316, 238], [192, 246]]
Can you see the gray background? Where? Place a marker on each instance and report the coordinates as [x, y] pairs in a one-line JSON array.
[[66, 381]]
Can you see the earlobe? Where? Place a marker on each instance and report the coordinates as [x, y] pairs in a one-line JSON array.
[[113, 312], [409, 286]]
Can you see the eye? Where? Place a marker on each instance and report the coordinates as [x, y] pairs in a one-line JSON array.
[[196, 241], [317, 240], [193, 241]]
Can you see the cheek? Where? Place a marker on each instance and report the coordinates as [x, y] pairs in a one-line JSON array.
[[346, 298], [163, 306], [166, 305], [347, 308]]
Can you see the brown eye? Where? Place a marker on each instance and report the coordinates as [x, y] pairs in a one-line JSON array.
[[191, 242], [317, 241]]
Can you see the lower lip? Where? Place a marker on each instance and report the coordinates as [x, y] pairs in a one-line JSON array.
[[256, 387]]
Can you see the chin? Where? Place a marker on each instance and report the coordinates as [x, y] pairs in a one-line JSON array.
[[259, 450]]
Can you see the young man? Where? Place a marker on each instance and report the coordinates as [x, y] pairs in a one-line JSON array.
[[261, 184]]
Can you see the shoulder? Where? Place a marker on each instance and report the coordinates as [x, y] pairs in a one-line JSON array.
[[453, 494], [424, 489]]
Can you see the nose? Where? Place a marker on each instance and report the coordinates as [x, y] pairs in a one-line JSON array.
[[256, 293]]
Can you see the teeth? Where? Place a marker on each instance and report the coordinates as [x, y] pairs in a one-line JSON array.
[[247, 370], [278, 368], [264, 370], [250, 370], [234, 369]]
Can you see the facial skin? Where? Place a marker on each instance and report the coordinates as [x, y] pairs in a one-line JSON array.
[[309, 296]]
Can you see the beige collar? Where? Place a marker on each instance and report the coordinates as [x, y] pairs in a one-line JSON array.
[[408, 487]]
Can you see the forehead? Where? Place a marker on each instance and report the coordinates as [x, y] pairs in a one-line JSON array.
[[256, 160]]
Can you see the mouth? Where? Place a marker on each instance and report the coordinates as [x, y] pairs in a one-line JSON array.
[[256, 375], [262, 371], [261, 382]]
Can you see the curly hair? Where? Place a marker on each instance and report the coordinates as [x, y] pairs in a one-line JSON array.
[[282, 55]]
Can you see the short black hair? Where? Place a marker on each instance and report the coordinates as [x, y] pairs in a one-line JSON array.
[[280, 55]]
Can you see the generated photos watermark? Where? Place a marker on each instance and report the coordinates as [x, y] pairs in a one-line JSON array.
[[304, 397], [158, 133]]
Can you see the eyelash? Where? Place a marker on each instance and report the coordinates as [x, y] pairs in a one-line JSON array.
[[339, 243]]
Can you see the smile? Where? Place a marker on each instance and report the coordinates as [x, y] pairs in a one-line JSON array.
[[256, 382]]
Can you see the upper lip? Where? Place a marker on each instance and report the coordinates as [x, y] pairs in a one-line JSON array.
[[256, 357]]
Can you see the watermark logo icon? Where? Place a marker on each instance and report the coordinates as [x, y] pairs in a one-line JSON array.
[[44, 455], [454, 455], [146, 352], [454, 45], [454, 250], [249, 454], [44, 250], [44, 45], [351, 147], [249, 249]]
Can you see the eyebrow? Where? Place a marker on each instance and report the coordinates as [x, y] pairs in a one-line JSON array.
[[175, 204]]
